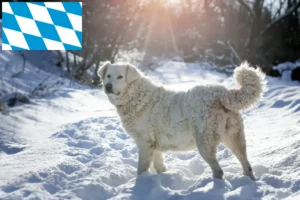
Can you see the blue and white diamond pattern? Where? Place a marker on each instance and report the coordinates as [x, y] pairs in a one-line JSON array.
[[41, 26]]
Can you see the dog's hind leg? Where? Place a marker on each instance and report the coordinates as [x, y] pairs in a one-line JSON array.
[[207, 145], [237, 144], [158, 162]]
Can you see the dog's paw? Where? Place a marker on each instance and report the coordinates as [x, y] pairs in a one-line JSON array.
[[161, 169], [251, 176], [139, 172], [144, 174], [218, 174]]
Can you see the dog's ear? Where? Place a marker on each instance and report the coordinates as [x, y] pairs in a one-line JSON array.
[[132, 73], [101, 72]]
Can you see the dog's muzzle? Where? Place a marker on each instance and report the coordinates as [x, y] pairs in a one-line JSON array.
[[108, 88]]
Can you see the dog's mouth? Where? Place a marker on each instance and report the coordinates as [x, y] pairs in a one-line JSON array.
[[112, 93]]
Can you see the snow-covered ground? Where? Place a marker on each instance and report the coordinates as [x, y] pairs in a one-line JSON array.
[[70, 145], [285, 69]]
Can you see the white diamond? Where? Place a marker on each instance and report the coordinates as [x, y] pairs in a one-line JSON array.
[[6, 8], [76, 21], [53, 45], [55, 6], [6, 47], [40, 13], [28, 26], [68, 36], [15, 38]]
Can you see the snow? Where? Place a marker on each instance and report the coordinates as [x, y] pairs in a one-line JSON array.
[[68, 142], [286, 68]]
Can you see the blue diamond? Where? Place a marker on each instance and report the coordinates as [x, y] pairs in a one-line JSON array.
[[20, 9], [4, 39], [9, 21], [71, 47], [34, 42], [48, 31], [60, 18], [17, 48], [79, 36], [73, 7]]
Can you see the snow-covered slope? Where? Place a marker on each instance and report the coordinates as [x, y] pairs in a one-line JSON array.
[[71, 146]]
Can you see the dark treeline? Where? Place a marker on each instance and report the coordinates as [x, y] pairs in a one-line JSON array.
[[264, 32]]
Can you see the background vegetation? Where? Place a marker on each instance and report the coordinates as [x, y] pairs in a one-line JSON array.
[[223, 32]]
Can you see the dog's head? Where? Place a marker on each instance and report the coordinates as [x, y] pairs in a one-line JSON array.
[[117, 77]]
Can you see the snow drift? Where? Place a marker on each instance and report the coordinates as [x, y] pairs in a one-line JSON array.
[[70, 145]]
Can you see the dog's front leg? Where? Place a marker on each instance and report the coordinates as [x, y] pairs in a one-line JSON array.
[[145, 157]]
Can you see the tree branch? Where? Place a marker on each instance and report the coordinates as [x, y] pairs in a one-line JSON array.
[[280, 8], [235, 54], [247, 7], [287, 14]]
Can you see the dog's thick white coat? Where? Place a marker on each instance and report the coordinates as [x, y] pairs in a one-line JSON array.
[[161, 120]]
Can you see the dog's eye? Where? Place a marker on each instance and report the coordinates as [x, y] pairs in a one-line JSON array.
[[108, 76], [119, 77]]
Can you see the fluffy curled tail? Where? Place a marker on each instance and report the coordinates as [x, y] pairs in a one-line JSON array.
[[252, 85]]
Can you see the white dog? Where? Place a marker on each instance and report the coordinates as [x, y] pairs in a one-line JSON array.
[[161, 120]]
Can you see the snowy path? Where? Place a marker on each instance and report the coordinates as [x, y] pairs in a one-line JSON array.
[[76, 149]]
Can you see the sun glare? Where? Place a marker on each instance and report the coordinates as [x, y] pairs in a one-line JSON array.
[[173, 1]]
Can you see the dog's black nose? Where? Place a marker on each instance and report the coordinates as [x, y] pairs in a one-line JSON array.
[[108, 87]]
